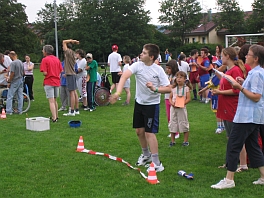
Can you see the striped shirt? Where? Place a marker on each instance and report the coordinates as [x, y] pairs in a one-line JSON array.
[[249, 111], [144, 74]]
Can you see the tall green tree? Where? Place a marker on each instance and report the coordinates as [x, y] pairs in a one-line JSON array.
[[255, 22], [100, 24], [181, 16], [230, 17], [15, 33]]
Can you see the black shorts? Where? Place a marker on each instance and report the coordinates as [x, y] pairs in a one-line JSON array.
[[146, 116], [115, 77]]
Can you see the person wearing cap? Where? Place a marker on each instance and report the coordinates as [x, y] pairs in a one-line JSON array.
[[15, 85], [115, 63], [69, 63], [91, 68]]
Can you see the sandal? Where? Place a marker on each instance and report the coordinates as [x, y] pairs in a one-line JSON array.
[[223, 166], [239, 169]]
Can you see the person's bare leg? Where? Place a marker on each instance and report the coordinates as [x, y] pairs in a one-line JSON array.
[[141, 137], [52, 108]]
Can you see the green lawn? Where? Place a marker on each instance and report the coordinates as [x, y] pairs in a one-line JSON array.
[[45, 164]]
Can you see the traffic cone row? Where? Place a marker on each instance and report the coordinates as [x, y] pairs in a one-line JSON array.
[[152, 176], [3, 115], [80, 146]]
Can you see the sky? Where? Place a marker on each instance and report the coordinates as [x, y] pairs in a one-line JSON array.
[[33, 6]]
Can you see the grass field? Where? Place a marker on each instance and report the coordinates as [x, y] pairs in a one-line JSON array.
[[45, 164]]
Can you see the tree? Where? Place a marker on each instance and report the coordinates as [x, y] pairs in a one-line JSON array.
[[255, 22], [15, 34], [100, 24], [181, 16], [230, 17]]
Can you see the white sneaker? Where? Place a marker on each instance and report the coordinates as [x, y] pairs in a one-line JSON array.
[[69, 114], [177, 135], [218, 130], [62, 109], [157, 168], [259, 181], [169, 135], [223, 184], [142, 160], [206, 101], [119, 98], [77, 112]]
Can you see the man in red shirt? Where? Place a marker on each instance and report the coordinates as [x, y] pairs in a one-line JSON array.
[[51, 68]]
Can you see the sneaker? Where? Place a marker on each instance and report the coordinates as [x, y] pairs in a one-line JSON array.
[[157, 168], [92, 109], [169, 135], [62, 109], [259, 181], [142, 160], [9, 113], [125, 103], [69, 114], [86, 108], [223, 184], [77, 112], [206, 101], [119, 98], [218, 130], [177, 135], [185, 144], [172, 144]]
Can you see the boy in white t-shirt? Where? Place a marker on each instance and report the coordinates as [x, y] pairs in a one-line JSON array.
[[151, 80], [115, 63]]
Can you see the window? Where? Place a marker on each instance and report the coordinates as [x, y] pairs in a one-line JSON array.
[[187, 40], [204, 40], [193, 40]]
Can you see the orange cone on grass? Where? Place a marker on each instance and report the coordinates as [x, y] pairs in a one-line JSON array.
[[3, 115], [152, 176], [80, 146]]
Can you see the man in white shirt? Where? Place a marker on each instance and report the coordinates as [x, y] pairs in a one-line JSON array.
[[115, 63]]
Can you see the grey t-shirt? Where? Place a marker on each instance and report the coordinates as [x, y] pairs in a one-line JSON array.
[[17, 67]]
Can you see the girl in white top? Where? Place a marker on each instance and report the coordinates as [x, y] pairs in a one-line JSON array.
[[81, 75], [29, 78], [127, 61], [183, 65], [179, 97]]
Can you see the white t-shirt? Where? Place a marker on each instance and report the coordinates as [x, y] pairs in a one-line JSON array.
[[7, 61], [81, 63], [185, 68], [2, 76], [144, 74], [113, 59]]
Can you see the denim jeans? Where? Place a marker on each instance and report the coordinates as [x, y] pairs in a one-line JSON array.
[[16, 89]]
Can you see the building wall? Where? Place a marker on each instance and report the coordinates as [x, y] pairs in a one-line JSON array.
[[214, 38]]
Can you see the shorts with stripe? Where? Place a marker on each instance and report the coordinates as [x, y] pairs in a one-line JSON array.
[[146, 116]]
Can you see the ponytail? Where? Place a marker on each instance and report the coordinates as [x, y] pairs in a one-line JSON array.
[[241, 65]]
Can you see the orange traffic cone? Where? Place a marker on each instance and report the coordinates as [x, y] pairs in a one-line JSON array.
[[152, 176], [3, 115], [80, 146]]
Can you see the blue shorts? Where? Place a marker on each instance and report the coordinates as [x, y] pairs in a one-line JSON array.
[[203, 79], [214, 103]]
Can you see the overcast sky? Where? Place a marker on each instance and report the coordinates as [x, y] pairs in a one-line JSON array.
[[32, 7]]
